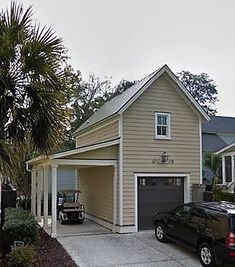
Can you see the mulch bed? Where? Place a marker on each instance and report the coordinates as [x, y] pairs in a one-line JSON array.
[[51, 253]]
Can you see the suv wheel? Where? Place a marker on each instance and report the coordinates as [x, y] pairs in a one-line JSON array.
[[206, 255], [160, 233]]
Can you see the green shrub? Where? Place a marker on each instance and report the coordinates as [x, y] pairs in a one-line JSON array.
[[20, 225], [17, 213], [228, 197], [23, 256], [217, 193]]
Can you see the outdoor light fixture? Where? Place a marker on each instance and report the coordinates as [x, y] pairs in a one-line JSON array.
[[164, 159]]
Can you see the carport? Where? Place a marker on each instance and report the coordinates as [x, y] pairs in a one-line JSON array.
[[40, 167]]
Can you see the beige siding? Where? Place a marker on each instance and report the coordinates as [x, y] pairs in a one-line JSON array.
[[84, 175], [140, 146], [96, 185], [106, 131], [110, 152]]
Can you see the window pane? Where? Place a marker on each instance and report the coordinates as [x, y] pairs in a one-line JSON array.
[[159, 132], [163, 130], [164, 120], [159, 119], [228, 169], [219, 224], [182, 211], [197, 216]]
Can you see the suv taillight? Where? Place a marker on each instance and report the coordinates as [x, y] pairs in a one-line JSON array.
[[230, 241]]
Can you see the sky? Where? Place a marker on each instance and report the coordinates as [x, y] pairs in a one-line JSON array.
[[129, 39]]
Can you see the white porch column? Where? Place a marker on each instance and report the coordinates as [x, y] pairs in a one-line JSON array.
[[223, 170], [76, 178], [54, 200], [114, 198], [233, 175], [33, 192], [45, 197], [39, 193]]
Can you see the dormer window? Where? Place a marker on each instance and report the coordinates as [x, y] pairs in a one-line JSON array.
[[162, 126]]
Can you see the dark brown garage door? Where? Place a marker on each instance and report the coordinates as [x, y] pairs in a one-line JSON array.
[[157, 194]]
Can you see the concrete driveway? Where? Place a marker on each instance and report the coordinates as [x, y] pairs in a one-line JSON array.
[[138, 249]]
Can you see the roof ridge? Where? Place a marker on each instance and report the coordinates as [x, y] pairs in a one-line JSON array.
[[119, 103], [136, 83]]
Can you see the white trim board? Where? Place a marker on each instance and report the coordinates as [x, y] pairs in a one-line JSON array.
[[121, 170], [200, 148], [79, 162], [187, 196], [225, 148]]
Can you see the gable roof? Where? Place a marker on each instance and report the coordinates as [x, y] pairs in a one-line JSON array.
[[212, 142], [226, 148], [120, 103], [219, 124]]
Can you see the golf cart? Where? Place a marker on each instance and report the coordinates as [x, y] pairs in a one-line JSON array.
[[69, 209]]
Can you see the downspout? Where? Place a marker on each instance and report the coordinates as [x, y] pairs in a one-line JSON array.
[[27, 167]]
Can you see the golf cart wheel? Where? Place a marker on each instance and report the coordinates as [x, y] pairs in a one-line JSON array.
[[160, 233], [206, 255], [61, 220]]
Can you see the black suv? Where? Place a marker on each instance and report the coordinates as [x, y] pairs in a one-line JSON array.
[[208, 228]]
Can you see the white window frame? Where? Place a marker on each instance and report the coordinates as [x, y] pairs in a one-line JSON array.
[[168, 136]]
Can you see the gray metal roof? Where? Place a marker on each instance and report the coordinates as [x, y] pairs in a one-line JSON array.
[[115, 104], [212, 142], [121, 101], [219, 124]]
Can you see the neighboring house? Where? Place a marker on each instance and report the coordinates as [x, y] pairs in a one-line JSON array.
[[217, 134], [140, 152], [228, 166]]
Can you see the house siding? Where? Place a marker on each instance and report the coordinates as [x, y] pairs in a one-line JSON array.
[[140, 146], [105, 131], [88, 179], [110, 153], [96, 185]]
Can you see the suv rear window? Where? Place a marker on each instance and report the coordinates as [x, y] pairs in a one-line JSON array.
[[218, 223]]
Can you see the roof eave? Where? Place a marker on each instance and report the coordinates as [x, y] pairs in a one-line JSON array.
[[225, 148], [186, 92]]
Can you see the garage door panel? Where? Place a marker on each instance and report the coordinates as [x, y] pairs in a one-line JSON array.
[[157, 194]]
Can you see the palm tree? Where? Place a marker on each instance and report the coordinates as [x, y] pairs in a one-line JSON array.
[[32, 101], [213, 162]]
